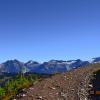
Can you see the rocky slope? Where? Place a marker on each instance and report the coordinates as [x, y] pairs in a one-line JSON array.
[[72, 85]]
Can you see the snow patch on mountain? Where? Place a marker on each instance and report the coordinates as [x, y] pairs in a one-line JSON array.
[[52, 66]]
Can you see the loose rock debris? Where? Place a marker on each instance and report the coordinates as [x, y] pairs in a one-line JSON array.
[[72, 85]]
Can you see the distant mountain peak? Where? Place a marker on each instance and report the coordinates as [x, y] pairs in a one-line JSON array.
[[13, 66], [31, 62], [95, 60]]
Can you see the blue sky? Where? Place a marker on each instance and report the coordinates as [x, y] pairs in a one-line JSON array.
[[49, 29]]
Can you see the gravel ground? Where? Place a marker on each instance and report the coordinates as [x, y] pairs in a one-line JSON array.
[[72, 85]]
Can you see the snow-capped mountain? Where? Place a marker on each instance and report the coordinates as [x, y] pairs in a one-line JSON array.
[[95, 60], [31, 66], [52, 66]]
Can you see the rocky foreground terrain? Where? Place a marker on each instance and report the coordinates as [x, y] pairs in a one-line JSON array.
[[72, 85]]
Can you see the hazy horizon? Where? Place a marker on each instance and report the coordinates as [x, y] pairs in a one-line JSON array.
[[46, 60]]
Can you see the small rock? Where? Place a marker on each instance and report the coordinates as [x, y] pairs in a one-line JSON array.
[[40, 97], [31, 88], [53, 88], [72, 89], [90, 85], [65, 77], [23, 95]]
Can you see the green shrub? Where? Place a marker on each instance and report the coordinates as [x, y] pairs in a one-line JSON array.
[[2, 92], [13, 86]]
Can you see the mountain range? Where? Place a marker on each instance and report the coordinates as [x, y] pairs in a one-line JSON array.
[[52, 66]]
